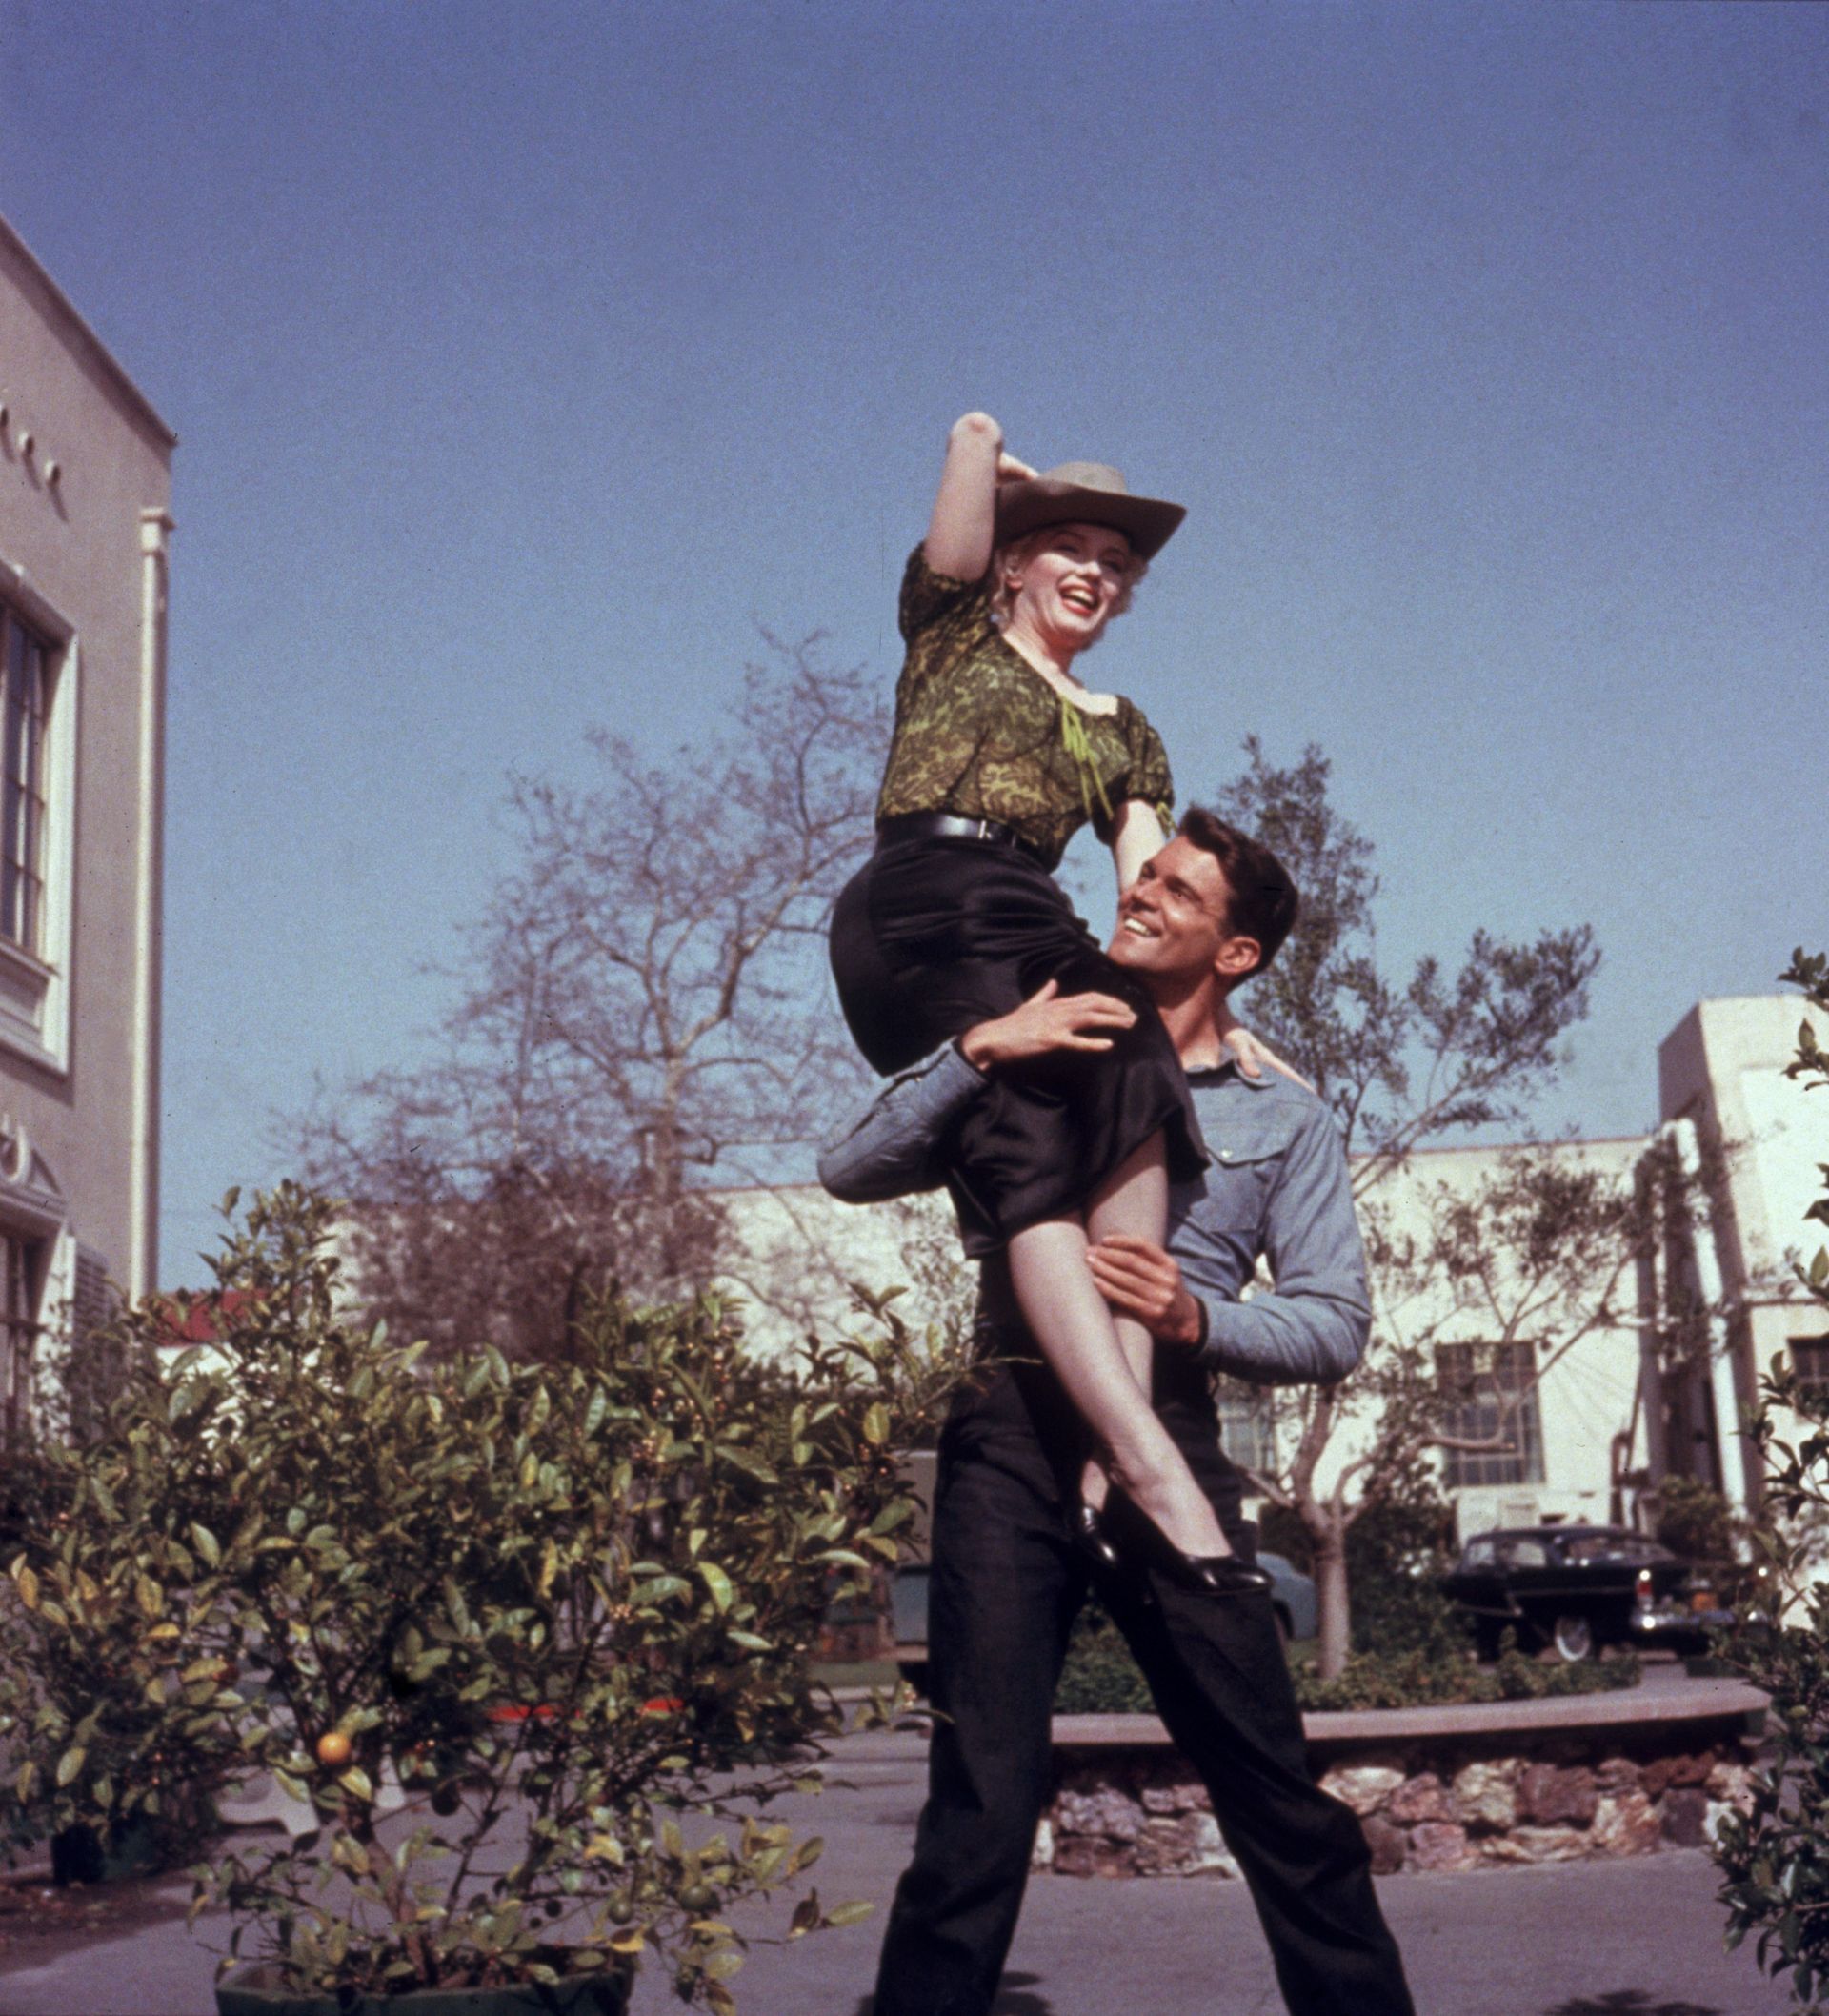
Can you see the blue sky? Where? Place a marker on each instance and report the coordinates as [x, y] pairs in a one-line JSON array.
[[526, 358]]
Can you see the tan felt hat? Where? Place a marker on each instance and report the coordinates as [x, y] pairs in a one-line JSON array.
[[1090, 493]]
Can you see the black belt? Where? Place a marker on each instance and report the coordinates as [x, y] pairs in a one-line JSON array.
[[949, 826]]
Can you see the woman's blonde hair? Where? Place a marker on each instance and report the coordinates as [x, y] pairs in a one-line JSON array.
[[1002, 597]]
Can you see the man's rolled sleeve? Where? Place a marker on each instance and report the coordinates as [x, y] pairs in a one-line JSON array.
[[1313, 1327], [889, 1152]]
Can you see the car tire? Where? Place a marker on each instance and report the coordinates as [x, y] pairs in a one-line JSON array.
[[1572, 1637]]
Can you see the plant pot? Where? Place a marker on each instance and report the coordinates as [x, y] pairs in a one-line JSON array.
[[254, 1992]]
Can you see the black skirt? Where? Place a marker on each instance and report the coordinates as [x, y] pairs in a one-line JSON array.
[[933, 936]]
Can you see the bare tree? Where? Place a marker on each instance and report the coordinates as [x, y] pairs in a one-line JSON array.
[[642, 1002]]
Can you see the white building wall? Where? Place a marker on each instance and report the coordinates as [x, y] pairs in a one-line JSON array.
[[1597, 1402]]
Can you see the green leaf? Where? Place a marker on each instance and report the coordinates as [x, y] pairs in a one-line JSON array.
[[849, 1913], [719, 1583], [206, 1543], [876, 1423], [71, 1764], [27, 1585], [356, 1782]]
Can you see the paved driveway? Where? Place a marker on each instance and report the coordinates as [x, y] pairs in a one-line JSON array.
[[1586, 1939]]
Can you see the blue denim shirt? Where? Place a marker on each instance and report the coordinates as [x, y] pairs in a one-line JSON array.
[[1277, 1186]]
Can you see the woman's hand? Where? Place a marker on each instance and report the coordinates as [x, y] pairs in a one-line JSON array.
[[1250, 1055]]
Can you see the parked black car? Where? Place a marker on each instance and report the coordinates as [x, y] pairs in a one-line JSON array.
[[1581, 1588]]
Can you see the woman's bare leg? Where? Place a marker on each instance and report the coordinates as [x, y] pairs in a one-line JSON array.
[[1076, 1333]]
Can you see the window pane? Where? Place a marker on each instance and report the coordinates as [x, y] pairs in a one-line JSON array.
[[1490, 1396], [24, 661]]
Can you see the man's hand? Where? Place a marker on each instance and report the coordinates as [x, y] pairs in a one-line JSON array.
[[1047, 1020], [1140, 1279]]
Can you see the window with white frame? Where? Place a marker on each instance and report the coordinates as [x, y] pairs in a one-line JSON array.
[[1247, 1425], [25, 661], [1489, 1395], [37, 823]]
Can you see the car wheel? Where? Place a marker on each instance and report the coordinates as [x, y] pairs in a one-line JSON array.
[[1572, 1637]]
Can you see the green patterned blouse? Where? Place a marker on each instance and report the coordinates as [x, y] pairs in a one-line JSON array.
[[980, 732]]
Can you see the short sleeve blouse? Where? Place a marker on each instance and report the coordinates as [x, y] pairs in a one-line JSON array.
[[982, 733]]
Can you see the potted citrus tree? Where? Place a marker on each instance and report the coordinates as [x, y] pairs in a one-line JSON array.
[[526, 1644]]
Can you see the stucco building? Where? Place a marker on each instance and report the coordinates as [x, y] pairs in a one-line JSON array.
[[85, 493], [1578, 1395]]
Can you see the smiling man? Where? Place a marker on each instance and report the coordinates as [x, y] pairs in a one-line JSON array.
[[1207, 912]]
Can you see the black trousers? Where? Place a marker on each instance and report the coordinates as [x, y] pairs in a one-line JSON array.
[[1006, 1585]]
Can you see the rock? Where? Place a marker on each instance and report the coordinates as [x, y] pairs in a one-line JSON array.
[[1363, 1786], [1549, 1794], [1091, 1858], [1537, 1844], [1389, 1845], [1042, 1855], [1617, 1774], [1183, 1845], [1208, 1854], [1418, 1799], [1663, 1772], [1684, 1814], [1486, 1796], [1626, 1824], [1112, 1815], [1730, 1783], [1440, 1845], [1187, 1795]]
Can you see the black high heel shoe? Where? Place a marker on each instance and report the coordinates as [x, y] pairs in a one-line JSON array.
[[1092, 1541], [1222, 1575]]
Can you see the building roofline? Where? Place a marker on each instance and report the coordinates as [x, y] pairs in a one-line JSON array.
[[84, 339]]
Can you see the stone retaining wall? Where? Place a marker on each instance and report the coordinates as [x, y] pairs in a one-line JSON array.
[[1483, 1802]]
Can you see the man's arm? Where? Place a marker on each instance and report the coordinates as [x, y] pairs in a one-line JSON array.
[[889, 1151], [1311, 1329]]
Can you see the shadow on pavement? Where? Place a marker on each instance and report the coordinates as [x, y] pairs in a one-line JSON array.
[[1628, 2002], [1016, 2001]]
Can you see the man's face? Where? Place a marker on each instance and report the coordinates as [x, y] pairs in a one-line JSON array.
[[1173, 921]]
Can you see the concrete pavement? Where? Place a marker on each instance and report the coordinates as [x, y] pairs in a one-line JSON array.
[[1637, 1938]]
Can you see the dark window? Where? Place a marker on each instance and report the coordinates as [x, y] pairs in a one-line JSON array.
[[25, 672], [20, 1266], [1490, 1396], [1810, 1362]]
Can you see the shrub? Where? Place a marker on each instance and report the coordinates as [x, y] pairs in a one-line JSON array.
[[1774, 1857], [559, 1606]]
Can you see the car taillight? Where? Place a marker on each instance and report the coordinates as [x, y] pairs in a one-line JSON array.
[[1641, 1586]]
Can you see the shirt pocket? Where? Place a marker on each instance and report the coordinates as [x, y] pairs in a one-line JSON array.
[[1233, 1194]]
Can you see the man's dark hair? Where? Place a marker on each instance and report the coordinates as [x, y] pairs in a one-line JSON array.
[[1265, 899]]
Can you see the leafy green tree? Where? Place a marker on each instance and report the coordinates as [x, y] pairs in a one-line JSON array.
[[1775, 1856], [557, 1608]]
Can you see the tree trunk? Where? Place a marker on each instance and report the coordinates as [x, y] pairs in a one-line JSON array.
[[1332, 1598]]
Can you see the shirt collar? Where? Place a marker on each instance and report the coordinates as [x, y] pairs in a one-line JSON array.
[[1227, 1071]]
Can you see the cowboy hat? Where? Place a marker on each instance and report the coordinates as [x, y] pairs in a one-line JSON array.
[[1087, 493]]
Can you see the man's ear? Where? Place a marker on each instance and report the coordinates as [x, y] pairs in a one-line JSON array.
[[1237, 956]]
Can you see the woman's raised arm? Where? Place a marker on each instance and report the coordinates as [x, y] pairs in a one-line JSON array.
[[961, 530]]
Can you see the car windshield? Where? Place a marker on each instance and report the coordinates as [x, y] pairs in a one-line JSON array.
[[1613, 1546]]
